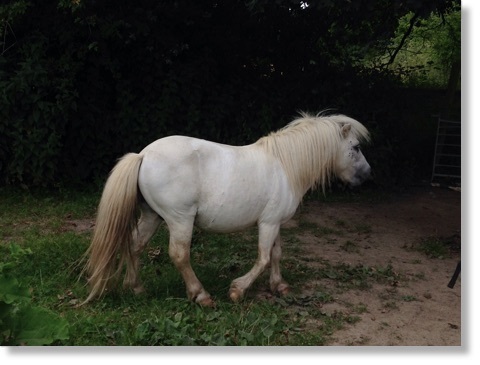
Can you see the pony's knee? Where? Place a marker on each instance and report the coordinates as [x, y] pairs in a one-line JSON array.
[[263, 261], [179, 255], [276, 253]]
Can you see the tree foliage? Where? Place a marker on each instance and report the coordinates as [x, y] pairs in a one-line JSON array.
[[84, 81], [426, 56]]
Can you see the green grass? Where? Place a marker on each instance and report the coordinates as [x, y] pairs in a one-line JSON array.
[[358, 276], [163, 316], [434, 247]]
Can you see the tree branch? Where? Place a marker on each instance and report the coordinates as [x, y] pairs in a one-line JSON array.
[[403, 40]]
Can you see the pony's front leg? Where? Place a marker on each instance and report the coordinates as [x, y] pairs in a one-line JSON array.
[[277, 284], [179, 251], [266, 236], [146, 228]]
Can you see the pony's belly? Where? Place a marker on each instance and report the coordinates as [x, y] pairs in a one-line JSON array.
[[222, 226], [238, 214], [226, 220]]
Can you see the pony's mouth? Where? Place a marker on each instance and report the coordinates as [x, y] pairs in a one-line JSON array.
[[359, 178]]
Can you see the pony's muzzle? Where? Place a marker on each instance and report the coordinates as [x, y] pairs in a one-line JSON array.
[[361, 176]]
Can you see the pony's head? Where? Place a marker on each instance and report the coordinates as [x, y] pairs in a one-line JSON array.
[[351, 166], [314, 148]]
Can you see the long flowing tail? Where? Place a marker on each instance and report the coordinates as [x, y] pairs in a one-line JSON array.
[[116, 218]]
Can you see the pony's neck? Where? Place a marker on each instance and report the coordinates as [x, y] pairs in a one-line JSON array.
[[307, 155]]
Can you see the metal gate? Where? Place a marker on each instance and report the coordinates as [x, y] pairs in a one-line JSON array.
[[448, 151]]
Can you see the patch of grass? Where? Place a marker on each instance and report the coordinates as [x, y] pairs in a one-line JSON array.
[[360, 308], [420, 276], [312, 319], [434, 247], [317, 230], [163, 316], [30, 213], [350, 246], [363, 228], [179, 322], [409, 298], [359, 276], [391, 304]]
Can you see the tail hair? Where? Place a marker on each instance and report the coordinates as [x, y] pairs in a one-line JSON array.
[[112, 238]]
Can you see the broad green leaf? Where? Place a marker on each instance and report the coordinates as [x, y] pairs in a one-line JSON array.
[[39, 326], [5, 312], [11, 290]]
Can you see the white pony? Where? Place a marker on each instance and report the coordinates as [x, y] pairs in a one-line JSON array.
[[191, 182]]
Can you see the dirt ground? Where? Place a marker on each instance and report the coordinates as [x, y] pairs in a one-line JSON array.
[[419, 310]]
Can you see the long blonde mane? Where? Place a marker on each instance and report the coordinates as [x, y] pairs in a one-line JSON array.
[[308, 148]]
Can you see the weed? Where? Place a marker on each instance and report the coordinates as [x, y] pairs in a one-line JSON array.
[[419, 276], [363, 228], [434, 247], [304, 300], [317, 230], [350, 246], [324, 231], [360, 308], [390, 305], [358, 276], [196, 326]]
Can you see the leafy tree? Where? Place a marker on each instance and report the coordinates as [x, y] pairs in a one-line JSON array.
[[425, 53]]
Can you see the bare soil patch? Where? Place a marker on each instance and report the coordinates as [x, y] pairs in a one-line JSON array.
[[418, 309], [79, 225]]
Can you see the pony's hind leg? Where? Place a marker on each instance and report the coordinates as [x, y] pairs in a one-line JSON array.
[[146, 228], [179, 251], [277, 284]]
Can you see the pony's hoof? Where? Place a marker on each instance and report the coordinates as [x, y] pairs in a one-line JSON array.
[[207, 302], [235, 295], [283, 289], [139, 290]]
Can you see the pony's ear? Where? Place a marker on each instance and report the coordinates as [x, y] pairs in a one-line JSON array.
[[346, 129]]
